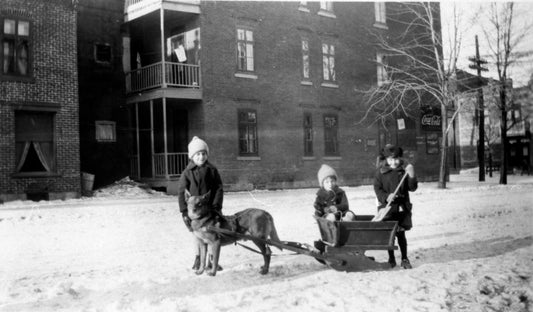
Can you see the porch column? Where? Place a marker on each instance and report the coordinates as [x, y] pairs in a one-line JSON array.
[[167, 177], [152, 136], [163, 65], [138, 140]]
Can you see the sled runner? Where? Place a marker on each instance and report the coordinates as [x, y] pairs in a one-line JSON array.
[[344, 243]]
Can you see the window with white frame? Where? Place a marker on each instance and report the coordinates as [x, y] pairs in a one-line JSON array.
[[381, 64], [326, 6], [16, 53], [105, 131], [245, 50], [328, 62], [381, 12], [303, 6], [305, 59]]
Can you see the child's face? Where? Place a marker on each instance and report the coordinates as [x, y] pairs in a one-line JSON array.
[[393, 162], [199, 158], [329, 183]]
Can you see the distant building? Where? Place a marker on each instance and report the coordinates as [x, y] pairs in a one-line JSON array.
[[519, 108], [39, 141], [269, 85]]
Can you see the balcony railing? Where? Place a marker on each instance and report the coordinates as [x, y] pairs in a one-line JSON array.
[[176, 163], [151, 76]]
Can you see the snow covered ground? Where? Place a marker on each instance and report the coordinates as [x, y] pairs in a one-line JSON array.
[[126, 249]]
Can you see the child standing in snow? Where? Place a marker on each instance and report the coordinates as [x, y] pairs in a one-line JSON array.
[[198, 178], [331, 202], [386, 180]]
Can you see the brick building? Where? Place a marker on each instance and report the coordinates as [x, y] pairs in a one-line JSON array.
[[39, 141], [269, 85], [518, 107], [103, 141]]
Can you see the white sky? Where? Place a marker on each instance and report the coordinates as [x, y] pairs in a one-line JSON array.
[[473, 25]]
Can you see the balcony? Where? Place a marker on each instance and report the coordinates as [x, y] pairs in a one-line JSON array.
[[137, 8], [180, 80]]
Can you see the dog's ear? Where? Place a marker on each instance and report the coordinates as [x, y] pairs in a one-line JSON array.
[[207, 195], [187, 195]]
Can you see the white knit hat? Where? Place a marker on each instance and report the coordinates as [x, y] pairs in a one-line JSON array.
[[197, 145], [324, 172]]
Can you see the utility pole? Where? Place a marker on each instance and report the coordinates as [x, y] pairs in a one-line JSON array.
[[477, 64]]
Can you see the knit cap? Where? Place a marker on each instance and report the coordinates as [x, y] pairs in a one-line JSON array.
[[197, 145], [324, 172]]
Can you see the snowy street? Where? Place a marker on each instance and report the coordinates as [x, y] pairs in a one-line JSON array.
[[126, 249]]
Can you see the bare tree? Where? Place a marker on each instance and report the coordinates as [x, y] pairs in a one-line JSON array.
[[418, 69], [503, 36]]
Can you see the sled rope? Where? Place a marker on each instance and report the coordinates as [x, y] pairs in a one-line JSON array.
[[257, 200]]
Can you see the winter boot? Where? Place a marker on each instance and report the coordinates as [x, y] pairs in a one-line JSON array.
[[406, 264]]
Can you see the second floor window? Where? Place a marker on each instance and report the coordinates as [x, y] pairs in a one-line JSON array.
[[245, 50], [305, 58], [326, 6], [308, 135], [381, 13], [331, 126], [328, 62], [15, 47], [248, 133], [382, 73], [102, 53]]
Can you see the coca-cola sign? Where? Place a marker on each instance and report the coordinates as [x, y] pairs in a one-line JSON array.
[[431, 122]]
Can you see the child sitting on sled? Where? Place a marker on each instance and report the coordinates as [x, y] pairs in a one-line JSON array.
[[331, 202]]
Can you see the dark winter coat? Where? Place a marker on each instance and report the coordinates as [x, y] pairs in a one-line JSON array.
[[385, 182], [335, 197], [198, 181]]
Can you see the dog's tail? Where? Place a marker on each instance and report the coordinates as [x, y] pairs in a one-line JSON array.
[[274, 234]]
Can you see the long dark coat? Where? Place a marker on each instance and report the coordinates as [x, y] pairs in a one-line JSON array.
[[335, 197], [385, 182], [198, 181]]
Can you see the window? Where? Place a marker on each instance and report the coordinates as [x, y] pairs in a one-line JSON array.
[[245, 50], [381, 13], [303, 6], [382, 74], [328, 62], [102, 53], [326, 6], [34, 142], [305, 58], [308, 135], [326, 9], [105, 131], [330, 135], [247, 133], [15, 48]]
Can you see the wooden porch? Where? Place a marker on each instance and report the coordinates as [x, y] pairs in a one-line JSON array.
[[167, 167], [163, 75]]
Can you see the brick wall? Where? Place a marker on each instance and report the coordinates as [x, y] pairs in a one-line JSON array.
[[54, 87], [280, 98]]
